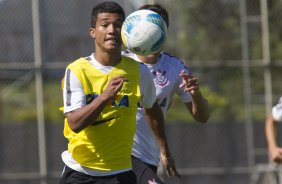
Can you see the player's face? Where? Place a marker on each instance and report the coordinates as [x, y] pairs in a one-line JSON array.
[[107, 33], [150, 59]]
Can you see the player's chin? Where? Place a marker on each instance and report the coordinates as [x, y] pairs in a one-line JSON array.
[[277, 160], [113, 46], [113, 43]]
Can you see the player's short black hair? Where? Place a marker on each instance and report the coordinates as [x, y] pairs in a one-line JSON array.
[[106, 7], [158, 9]]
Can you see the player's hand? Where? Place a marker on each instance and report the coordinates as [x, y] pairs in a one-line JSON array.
[[189, 83], [169, 166], [113, 87], [276, 155]]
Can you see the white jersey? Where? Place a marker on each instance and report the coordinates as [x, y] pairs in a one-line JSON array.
[[277, 111], [167, 80], [73, 94]]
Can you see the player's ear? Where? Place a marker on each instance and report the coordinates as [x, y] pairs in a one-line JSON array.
[[92, 32]]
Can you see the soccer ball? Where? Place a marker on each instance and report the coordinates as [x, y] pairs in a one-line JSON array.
[[144, 32]]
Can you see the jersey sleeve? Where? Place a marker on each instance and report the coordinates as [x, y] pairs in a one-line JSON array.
[[73, 94], [147, 87], [277, 111]]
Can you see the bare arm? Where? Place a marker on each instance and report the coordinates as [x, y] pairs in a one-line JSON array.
[[199, 106], [155, 119], [86, 115], [271, 137]]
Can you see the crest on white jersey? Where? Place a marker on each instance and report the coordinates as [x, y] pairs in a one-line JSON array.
[[160, 80]]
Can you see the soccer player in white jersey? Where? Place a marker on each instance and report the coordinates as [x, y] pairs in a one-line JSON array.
[[170, 77], [101, 93], [274, 117]]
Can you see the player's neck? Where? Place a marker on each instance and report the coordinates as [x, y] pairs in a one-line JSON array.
[[108, 59], [152, 59]]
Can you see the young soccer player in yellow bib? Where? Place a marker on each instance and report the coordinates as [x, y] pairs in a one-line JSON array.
[[101, 93]]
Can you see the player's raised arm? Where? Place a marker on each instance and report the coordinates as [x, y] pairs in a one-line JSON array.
[[199, 106]]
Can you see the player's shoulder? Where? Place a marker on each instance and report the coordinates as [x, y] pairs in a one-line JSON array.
[[79, 61], [278, 106], [279, 102], [132, 56], [169, 58], [130, 59], [277, 111], [172, 61]]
